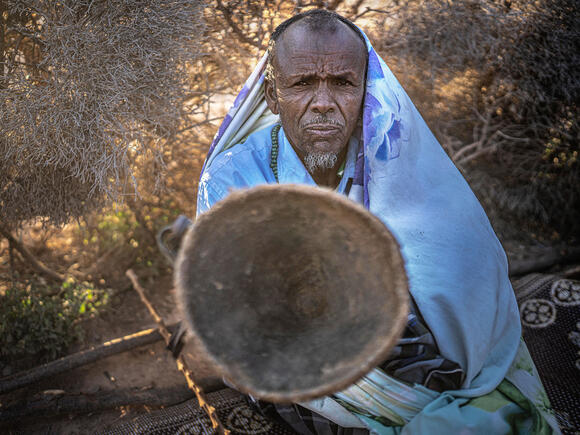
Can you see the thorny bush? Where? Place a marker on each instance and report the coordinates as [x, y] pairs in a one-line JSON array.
[[89, 89]]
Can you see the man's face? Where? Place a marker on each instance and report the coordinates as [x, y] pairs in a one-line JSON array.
[[318, 88]]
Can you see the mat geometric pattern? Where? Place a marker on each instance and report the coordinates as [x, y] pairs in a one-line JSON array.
[[550, 314], [188, 418]]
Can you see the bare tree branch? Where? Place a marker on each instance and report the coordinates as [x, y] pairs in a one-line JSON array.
[[35, 263]]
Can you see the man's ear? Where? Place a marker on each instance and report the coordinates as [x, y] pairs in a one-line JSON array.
[[271, 96]]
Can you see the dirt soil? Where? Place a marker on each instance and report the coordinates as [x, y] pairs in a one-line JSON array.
[[146, 368]]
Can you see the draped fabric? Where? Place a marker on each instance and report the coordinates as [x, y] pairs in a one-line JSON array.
[[456, 266]]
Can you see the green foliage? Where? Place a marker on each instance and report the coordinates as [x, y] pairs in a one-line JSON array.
[[33, 323], [115, 229], [125, 238]]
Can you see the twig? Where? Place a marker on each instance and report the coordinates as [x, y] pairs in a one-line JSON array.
[[181, 364], [228, 16], [379, 11], [544, 261], [465, 149], [198, 124], [79, 359], [512, 138], [487, 150], [571, 271]]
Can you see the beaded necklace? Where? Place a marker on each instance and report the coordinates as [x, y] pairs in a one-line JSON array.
[[274, 155]]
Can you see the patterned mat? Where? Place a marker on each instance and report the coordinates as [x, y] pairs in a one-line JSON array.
[[188, 418], [550, 313]]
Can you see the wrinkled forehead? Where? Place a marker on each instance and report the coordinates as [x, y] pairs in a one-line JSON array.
[[329, 42]]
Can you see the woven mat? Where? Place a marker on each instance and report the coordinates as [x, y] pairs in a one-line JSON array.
[[550, 314], [188, 418]]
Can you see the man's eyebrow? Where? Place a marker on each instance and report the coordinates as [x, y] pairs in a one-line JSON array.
[[345, 75], [299, 76]]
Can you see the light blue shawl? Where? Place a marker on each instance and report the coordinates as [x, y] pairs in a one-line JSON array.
[[456, 266]]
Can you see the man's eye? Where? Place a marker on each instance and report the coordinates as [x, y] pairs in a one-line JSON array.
[[342, 82], [301, 83]]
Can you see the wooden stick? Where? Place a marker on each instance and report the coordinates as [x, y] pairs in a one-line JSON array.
[[571, 271], [545, 260], [52, 403], [70, 362], [181, 364]]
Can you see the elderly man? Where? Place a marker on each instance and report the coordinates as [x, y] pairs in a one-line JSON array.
[[345, 123]]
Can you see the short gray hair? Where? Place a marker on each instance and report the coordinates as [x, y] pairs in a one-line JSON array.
[[318, 20]]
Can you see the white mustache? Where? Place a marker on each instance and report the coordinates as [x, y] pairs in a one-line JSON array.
[[321, 120]]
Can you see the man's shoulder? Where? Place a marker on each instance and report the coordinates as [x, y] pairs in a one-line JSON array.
[[251, 153], [246, 164]]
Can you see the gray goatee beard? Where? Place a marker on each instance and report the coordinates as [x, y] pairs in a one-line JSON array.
[[317, 160]]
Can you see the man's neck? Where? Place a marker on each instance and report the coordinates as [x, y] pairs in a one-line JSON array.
[[329, 177]]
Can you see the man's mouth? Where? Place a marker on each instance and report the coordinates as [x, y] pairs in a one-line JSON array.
[[325, 130], [323, 127], [322, 123]]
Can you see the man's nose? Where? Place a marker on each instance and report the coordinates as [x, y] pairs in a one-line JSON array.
[[323, 100]]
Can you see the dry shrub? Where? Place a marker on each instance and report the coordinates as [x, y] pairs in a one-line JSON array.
[[241, 29], [90, 89], [505, 91], [239, 36]]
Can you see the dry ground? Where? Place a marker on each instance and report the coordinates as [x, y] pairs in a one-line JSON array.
[[146, 368]]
